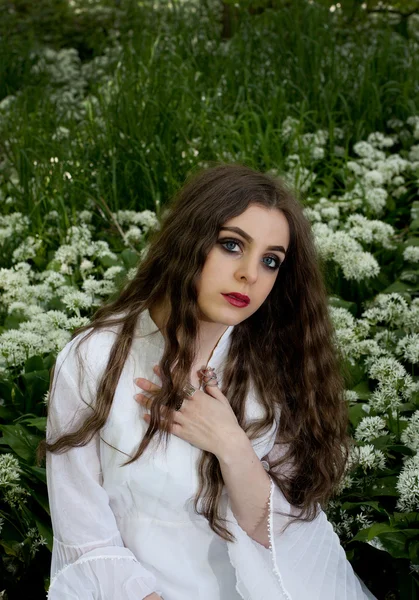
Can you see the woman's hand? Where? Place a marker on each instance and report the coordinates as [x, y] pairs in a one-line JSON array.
[[205, 420], [153, 596]]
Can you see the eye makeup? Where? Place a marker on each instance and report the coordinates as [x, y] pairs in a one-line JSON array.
[[239, 243]]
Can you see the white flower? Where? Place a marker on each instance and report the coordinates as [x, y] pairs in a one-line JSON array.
[[289, 127], [317, 153], [414, 153], [360, 266], [12, 225], [410, 435], [370, 428], [75, 299], [112, 272], [28, 249], [411, 253], [368, 457], [367, 151], [86, 265], [379, 140], [388, 371], [373, 178], [340, 247], [312, 214], [376, 199], [370, 231], [134, 234], [356, 168], [9, 469], [409, 348], [387, 308], [408, 485], [351, 396]]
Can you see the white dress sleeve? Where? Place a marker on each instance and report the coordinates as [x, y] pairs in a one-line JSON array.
[[305, 561], [89, 559]]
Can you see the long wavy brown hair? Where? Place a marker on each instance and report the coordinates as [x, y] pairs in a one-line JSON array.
[[286, 348]]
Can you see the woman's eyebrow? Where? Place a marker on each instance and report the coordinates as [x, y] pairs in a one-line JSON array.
[[249, 239]]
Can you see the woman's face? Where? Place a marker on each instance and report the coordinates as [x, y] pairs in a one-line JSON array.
[[243, 263]]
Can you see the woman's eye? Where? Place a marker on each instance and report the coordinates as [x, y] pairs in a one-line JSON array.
[[224, 244], [277, 262], [234, 244]]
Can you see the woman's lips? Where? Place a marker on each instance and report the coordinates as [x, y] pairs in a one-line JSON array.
[[235, 301]]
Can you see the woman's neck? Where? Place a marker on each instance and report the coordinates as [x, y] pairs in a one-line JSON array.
[[209, 333]]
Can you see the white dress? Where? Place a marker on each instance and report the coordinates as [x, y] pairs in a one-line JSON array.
[[121, 533]]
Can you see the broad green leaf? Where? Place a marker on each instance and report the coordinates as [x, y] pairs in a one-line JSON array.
[[12, 548], [20, 440], [384, 486], [34, 363], [363, 390], [356, 414], [130, 258], [376, 505], [39, 472], [39, 422]]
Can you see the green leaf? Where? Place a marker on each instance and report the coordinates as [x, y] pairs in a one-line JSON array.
[[109, 261], [11, 548], [375, 504], [405, 519], [368, 533], [39, 423], [39, 472], [130, 258], [34, 363], [414, 552], [7, 414], [46, 532], [363, 390], [338, 302], [20, 440], [383, 486], [397, 286], [356, 414]]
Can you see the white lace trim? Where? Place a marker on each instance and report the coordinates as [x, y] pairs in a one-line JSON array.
[[84, 560], [272, 542]]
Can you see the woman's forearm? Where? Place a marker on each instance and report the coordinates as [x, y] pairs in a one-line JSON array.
[[248, 486]]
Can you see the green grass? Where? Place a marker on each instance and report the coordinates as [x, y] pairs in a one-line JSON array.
[[175, 86]]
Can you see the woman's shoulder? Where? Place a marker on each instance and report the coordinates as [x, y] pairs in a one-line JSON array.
[[89, 348]]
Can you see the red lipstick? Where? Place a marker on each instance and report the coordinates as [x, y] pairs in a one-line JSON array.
[[236, 299]]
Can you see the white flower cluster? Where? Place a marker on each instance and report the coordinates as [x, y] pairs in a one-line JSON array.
[[80, 246], [408, 485], [341, 248], [367, 457], [12, 226], [347, 525], [355, 338], [395, 385], [411, 254], [408, 347], [139, 223], [13, 493], [27, 293], [410, 435], [370, 428]]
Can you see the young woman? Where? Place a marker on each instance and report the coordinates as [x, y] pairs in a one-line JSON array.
[[220, 346]]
